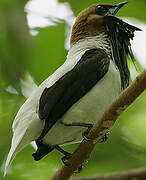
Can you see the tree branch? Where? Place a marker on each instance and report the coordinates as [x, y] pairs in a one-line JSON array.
[[107, 120], [134, 174]]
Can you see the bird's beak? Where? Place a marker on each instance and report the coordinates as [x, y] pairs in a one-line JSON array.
[[115, 8]]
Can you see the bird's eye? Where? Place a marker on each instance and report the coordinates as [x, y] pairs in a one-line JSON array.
[[101, 10]]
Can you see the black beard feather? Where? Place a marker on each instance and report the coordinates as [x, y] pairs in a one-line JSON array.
[[120, 34]]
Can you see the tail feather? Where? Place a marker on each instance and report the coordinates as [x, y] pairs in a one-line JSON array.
[[18, 143], [24, 133], [26, 128]]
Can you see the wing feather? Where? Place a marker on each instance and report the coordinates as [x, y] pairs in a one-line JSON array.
[[57, 99]]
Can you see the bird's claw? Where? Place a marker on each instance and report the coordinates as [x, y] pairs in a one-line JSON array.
[[85, 133], [65, 161], [105, 137], [78, 170]]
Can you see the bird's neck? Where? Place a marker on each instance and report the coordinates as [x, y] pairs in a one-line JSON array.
[[100, 41]]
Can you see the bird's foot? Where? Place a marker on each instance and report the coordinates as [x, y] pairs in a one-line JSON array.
[[85, 133], [105, 137], [65, 161], [66, 157]]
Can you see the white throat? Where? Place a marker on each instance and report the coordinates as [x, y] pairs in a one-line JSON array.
[[100, 41]]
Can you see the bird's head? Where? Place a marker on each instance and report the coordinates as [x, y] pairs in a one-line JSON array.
[[100, 18], [96, 19]]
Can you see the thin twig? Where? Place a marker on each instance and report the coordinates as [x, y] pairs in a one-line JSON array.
[[107, 120], [134, 174]]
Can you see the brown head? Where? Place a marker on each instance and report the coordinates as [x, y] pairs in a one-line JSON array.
[[90, 22]]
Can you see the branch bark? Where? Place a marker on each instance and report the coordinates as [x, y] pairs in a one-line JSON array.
[[107, 120], [134, 174]]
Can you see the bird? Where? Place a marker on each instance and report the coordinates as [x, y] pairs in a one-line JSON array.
[[65, 106]]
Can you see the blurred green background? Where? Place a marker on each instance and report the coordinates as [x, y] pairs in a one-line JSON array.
[[29, 53]]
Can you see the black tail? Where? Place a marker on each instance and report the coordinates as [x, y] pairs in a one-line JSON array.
[[42, 150]]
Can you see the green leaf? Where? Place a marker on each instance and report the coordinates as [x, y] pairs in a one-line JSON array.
[[49, 52]]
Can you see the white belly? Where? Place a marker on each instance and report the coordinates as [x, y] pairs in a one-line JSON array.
[[88, 109]]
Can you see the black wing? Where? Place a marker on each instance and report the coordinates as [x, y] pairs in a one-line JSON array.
[[57, 99]]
